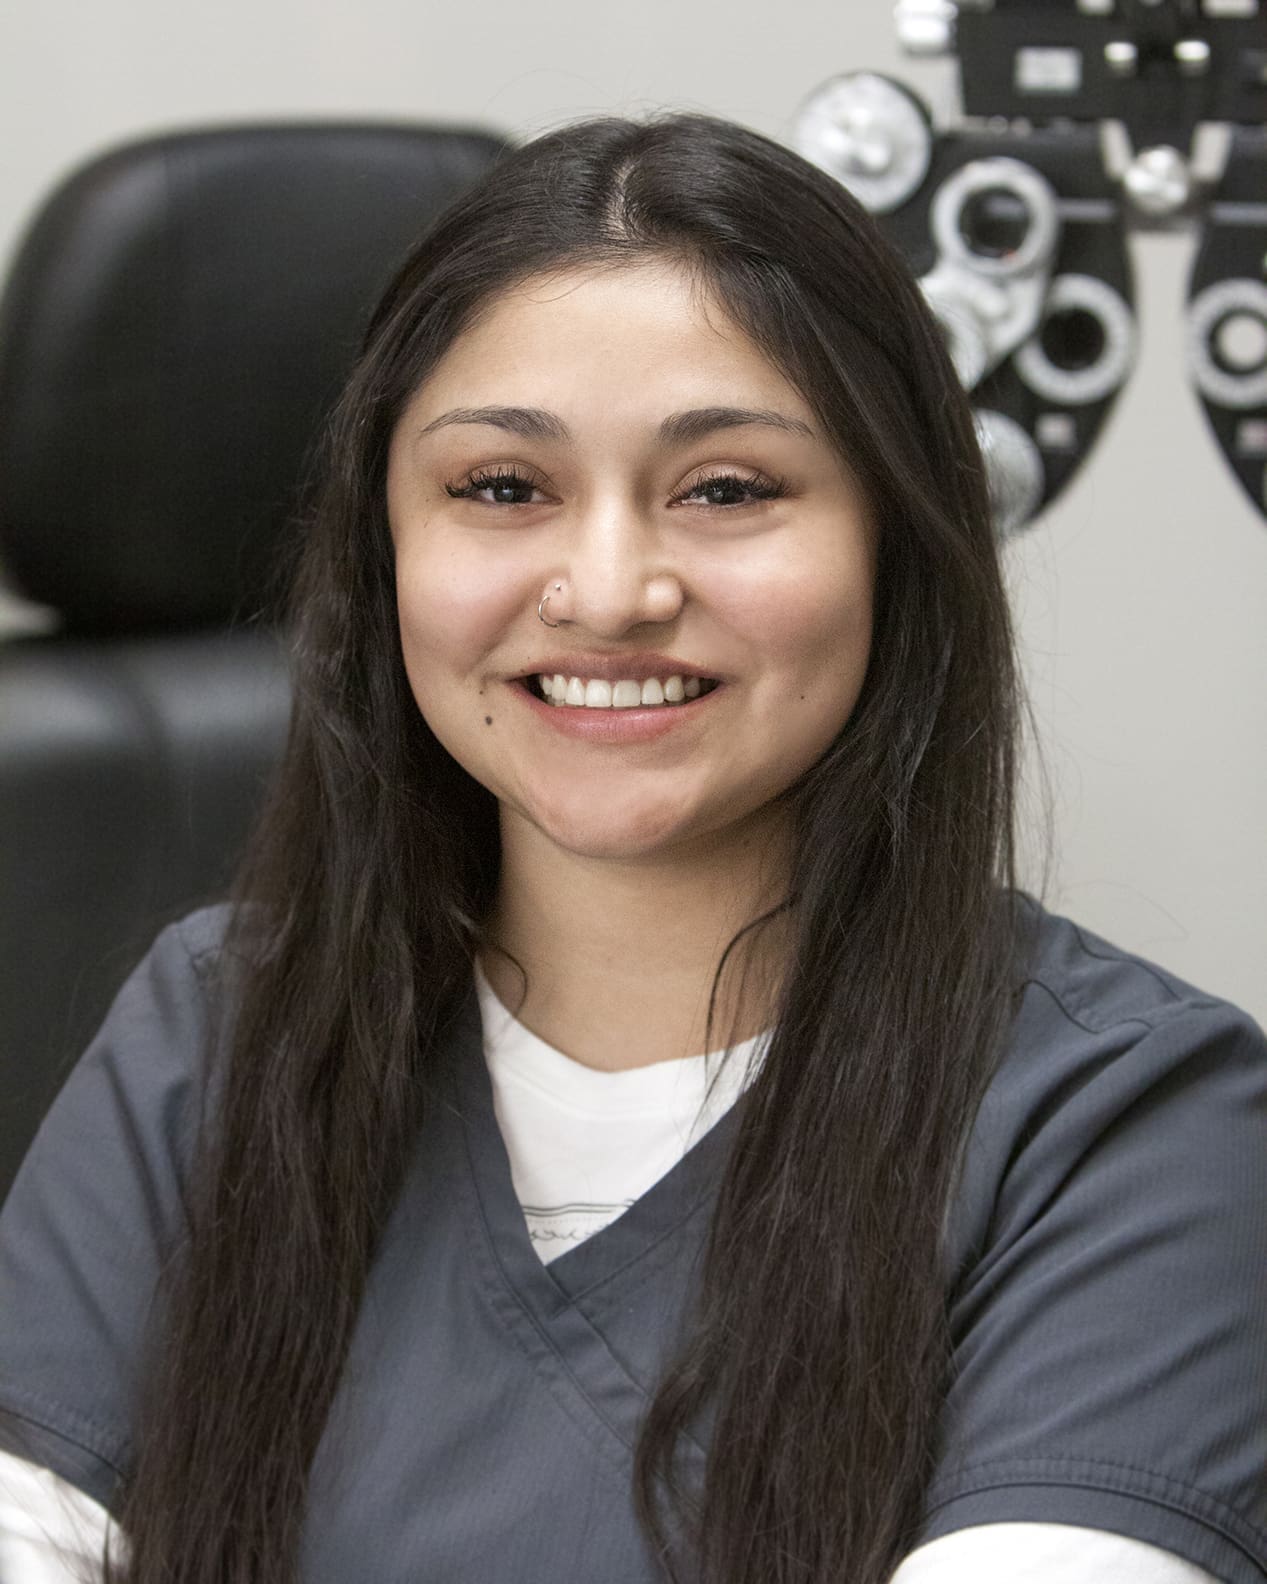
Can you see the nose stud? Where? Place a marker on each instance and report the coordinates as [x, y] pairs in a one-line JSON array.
[[541, 609]]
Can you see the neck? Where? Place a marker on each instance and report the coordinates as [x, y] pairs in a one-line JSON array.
[[621, 954]]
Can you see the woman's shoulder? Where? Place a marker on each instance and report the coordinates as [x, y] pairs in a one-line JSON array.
[[199, 935], [179, 997], [1096, 985], [208, 946], [136, 1088], [163, 1014], [99, 1205], [1104, 1261], [127, 1115], [1112, 1066]]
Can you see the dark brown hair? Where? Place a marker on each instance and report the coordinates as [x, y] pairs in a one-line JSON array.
[[817, 1340]]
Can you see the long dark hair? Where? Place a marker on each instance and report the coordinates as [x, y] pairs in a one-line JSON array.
[[817, 1340]]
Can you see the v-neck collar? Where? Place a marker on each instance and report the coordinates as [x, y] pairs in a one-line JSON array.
[[655, 1216], [555, 1314]]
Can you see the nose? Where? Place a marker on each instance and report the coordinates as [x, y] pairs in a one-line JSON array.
[[616, 574]]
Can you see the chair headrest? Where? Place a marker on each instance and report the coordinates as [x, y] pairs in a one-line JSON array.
[[179, 317]]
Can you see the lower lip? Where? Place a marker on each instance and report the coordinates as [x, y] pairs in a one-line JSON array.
[[632, 725]]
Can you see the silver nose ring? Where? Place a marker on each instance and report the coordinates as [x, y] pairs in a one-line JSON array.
[[541, 609]]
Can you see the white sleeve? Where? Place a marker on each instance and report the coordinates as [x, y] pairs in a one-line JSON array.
[[50, 1532], [1044, 1553]]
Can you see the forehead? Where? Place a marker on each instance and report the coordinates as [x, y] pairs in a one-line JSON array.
[[633, 336]]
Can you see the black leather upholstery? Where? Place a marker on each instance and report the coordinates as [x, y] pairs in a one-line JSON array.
[[181, 313], [128, 780], [175, 324]]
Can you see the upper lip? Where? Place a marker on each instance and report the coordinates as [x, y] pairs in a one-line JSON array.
[[617, 667]]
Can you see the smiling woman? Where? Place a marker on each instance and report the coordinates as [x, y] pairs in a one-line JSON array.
[[762, 597], [627, 1125]]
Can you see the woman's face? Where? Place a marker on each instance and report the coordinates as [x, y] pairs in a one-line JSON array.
[[568, 438]]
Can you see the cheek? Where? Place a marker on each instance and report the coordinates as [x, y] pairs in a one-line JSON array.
[[452, 609], [824, 665], [813, 621]]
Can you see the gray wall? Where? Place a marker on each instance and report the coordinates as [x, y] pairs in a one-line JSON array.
[[1141, 600]]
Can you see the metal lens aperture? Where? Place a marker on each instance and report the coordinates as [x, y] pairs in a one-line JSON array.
[[1085, 346], [1227, 342], [994, 222], [997, 217], [1073, 338], [1238, 342]]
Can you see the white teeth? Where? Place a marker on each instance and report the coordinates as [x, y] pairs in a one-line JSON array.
[[597, 693]]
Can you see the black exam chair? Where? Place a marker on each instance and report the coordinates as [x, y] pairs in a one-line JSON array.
[[175, 324]]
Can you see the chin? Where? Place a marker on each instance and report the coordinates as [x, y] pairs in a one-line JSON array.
[[615, 834]]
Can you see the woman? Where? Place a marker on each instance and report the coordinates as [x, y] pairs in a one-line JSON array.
[[654, 696]]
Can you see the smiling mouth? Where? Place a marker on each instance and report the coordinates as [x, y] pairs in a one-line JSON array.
[[655, 692]]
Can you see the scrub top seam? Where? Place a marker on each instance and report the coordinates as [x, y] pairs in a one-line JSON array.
[[655, 1250], [1138, 962], [1168, 1492], [654, 1254], [64, 1423], [46, 1414], [1150, 1025]]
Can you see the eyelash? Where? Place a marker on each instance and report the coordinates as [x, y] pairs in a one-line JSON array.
[[759, 487]]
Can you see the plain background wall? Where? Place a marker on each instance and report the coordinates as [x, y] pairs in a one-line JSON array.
[[1141, 598]]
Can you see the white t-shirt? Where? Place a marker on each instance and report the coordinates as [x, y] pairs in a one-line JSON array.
[[583, 1145]]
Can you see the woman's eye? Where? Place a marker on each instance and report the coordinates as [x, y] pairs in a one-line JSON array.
[[508, 488], [729, 489]]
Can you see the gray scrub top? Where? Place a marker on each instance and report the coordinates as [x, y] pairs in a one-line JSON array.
[[1105, 1264]]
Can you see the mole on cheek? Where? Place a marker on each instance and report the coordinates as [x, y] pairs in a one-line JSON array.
[[488, 720]]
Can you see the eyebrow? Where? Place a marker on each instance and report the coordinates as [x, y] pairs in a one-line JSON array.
[[683, 428]]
